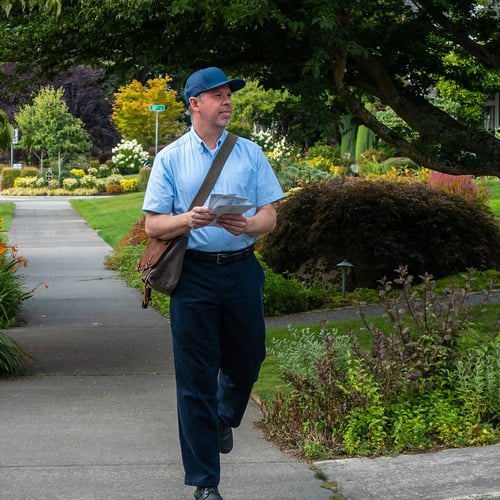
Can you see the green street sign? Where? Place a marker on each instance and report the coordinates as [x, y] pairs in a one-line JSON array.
[[156, 107]]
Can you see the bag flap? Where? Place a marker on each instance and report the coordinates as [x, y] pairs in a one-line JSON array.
[[154, 250]]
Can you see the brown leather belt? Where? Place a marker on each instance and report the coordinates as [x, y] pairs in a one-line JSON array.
[[220, 257]]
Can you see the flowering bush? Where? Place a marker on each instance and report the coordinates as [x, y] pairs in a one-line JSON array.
[[321, 163], [25, 182], [106, 170], [129, 155], [11, 298], [129, 185], [276, 150], [70, 183], [77, 172], [11, 294], [113, 183], [88, 181], [399, 175]]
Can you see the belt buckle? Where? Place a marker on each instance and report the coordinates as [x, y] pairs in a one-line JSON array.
[[220, 258]]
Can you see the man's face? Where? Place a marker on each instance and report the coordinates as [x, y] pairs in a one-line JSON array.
[[215, 106]]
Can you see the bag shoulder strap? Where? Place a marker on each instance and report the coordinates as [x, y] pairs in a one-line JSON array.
[[215, 169]]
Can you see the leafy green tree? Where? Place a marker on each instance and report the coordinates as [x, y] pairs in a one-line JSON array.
[[133, 118], [338, 57], [49, 129], [255, 105]]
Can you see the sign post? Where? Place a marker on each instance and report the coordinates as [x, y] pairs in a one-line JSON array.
[[157, 108]]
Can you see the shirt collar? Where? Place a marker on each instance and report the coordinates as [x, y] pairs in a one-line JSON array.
[[203, 147]]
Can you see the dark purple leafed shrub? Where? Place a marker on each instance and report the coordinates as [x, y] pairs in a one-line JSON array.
[[378, 226]]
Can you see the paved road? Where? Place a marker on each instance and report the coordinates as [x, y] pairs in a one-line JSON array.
[[95, 417]]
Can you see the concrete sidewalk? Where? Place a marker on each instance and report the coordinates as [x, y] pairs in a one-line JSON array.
[[96, 417]]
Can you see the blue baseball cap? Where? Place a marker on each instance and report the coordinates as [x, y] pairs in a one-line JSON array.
[[208, 79]]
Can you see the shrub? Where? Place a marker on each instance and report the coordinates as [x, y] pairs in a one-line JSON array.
[[372, 155], [113, 188], [295, 175], [29, 172], [9, 175], [285, 294], [378, 225], [401, 163], [320, 149]]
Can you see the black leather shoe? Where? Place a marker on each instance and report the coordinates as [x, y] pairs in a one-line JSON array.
[[207, 494], [225, 437]]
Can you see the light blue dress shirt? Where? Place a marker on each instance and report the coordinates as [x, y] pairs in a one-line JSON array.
[[179, 170]]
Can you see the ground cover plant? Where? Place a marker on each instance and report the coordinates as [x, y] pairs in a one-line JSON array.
[[429, 378]]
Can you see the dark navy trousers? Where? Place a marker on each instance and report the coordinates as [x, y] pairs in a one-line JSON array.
[[218, 330]]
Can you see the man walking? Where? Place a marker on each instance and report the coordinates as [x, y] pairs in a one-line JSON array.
[[216, 311]]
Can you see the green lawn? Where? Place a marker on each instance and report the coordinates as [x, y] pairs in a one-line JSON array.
[[112, 217]]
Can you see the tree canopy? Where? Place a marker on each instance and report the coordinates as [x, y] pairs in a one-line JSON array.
[[339, 57]]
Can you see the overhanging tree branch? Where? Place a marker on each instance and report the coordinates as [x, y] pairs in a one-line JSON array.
[[443, 143]]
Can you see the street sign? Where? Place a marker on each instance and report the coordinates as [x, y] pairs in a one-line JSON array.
[[157, 107]]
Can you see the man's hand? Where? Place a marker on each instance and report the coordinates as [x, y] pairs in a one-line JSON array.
[[236, 224], [199, 217]]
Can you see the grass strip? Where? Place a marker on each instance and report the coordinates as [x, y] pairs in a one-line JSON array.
[[7, 210], [112, 217]]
